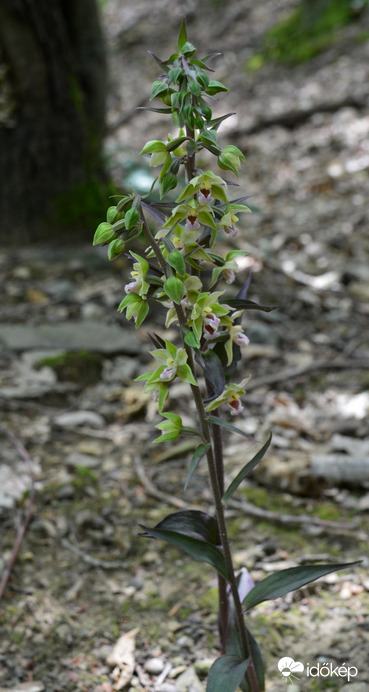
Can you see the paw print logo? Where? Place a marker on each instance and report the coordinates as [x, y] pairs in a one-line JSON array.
[[288, 667]]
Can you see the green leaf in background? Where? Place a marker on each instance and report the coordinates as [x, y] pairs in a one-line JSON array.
[[286, 580], [226, 673], [200, 452], [246, 470]]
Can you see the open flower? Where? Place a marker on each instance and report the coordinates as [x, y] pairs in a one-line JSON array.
[[172, 363], [230, 396], [138, 274], [207, 187], [193, 214], [206, 315], [211, 323], [238, 336]]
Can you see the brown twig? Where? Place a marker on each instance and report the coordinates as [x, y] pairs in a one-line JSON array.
[[323, 364], [30, 509]]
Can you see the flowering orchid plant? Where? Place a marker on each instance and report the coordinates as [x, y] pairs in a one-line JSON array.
[[173, 270]]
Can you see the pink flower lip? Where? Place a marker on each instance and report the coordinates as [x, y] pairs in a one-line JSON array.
[[168, 374], [241, 339], [204, 196], [232, 231]]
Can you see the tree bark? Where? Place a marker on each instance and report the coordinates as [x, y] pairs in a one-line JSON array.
[[52, 110]]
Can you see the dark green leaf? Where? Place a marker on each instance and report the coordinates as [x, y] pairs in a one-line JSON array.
[[195, 88], [209, 137], [192, 522], [176, 260], [286, 580], [202, 79], [182, 38], [229, 426], [175, 143], [199, 454], [169, 246], [169, 182], [215, 87], [198, 549], [189, 49], [246, 470], [247, 305], [226, 673], [155, 110], [213, 372], [175, 73], [157, 89], [258, 664], [218, 121]]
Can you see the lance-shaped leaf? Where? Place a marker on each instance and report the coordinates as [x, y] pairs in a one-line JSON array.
[[258, 664], [192, 522], [200, 452], [247, 304], [246, 470], [229, 426], [213, 371], [286, 580], [198, 549], [226, 673], [182, 38]]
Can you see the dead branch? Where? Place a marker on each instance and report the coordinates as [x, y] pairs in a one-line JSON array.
[[29, 513]]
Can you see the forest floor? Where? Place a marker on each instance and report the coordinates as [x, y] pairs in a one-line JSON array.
[[87, 475]]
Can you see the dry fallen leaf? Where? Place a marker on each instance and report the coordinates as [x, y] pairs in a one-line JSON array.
[[122, 657]]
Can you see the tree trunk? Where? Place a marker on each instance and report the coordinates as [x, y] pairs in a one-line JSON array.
[[52, 112]]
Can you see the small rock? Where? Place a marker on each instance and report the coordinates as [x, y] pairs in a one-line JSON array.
[[355, 687], [166, 687], [92, 311], [189, 681], [185, 641], [73, 419], [203, 666], [154, 666], [67, 492], [86, 461]]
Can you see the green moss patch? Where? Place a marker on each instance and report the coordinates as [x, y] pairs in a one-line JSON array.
[[309, 30], [82, 367]]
